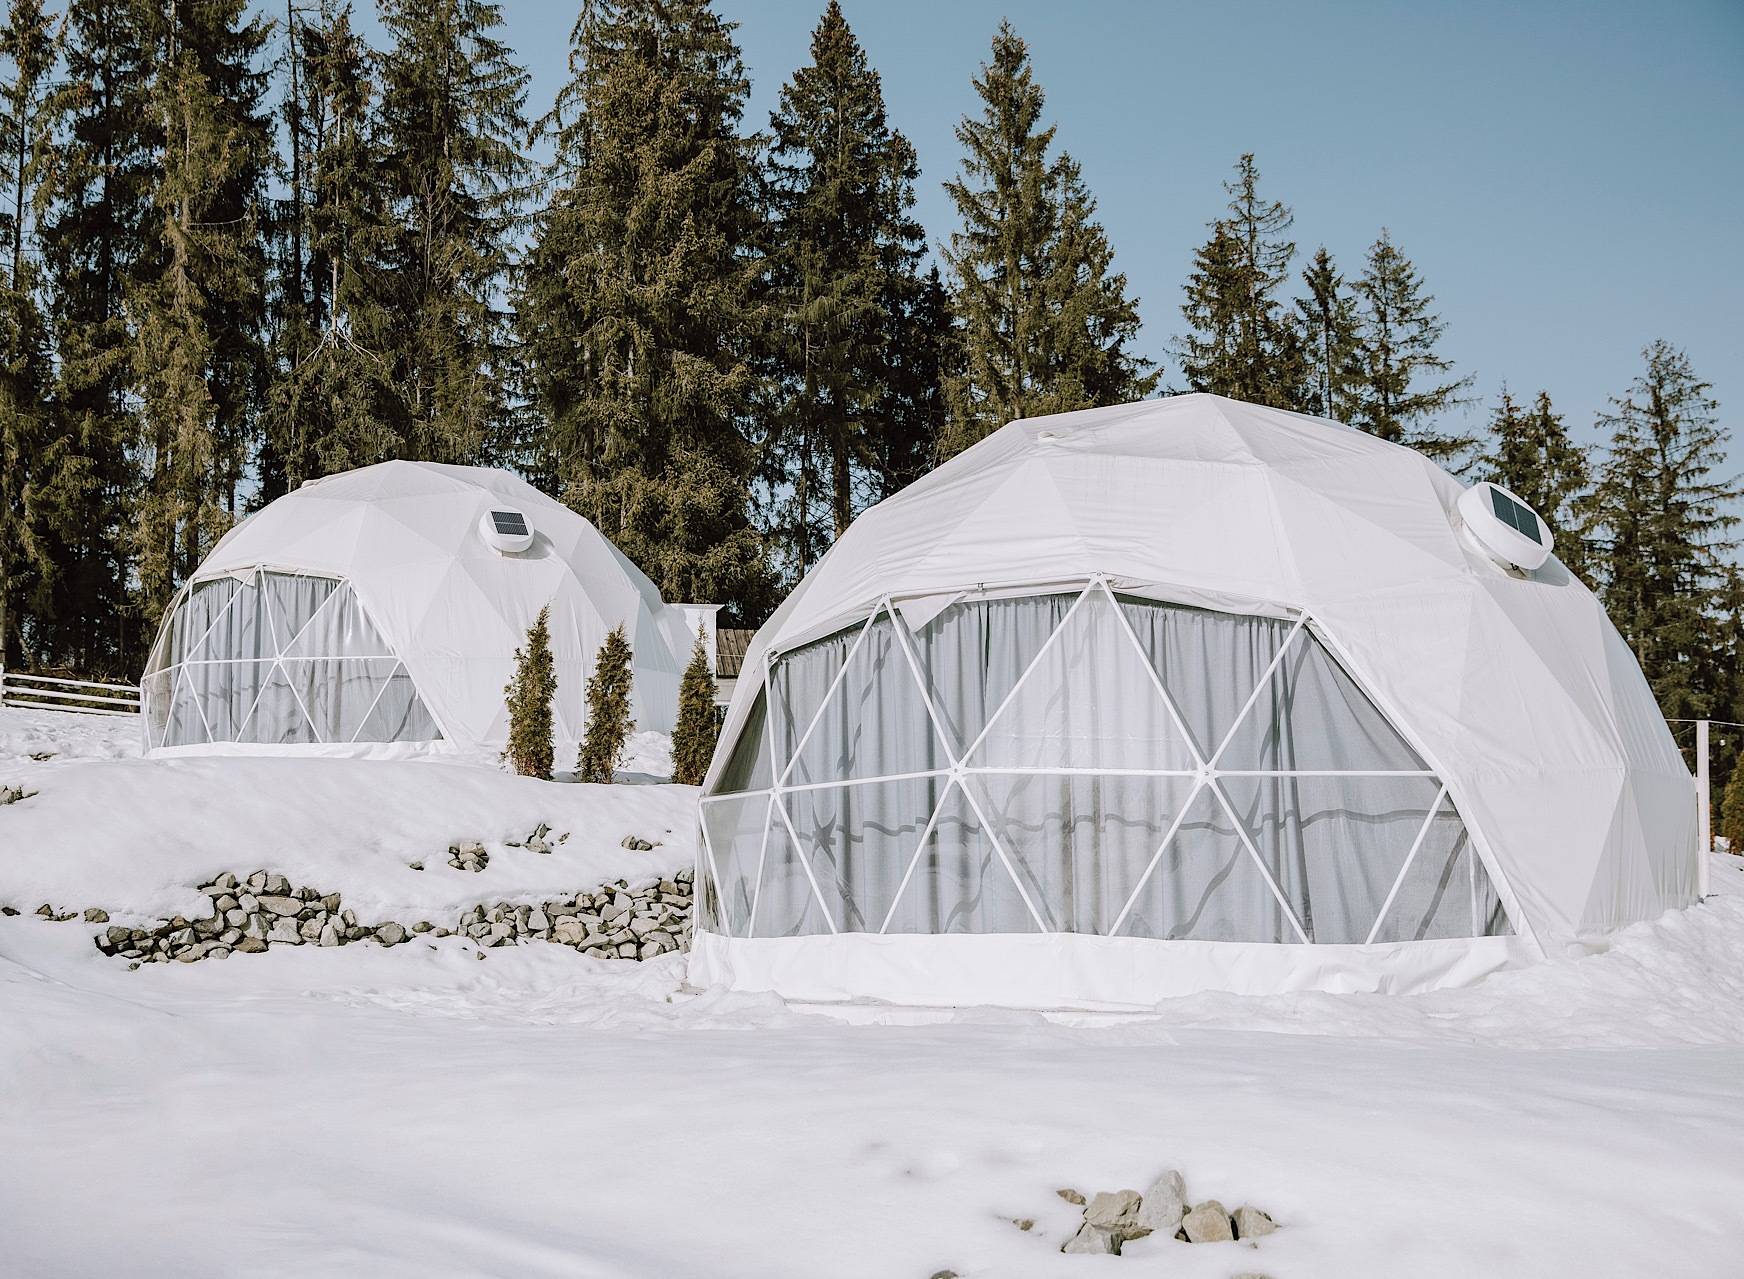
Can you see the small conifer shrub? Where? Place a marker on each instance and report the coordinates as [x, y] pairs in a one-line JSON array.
[[529, 696], [608, 710], [693, 738], [1732, 810]]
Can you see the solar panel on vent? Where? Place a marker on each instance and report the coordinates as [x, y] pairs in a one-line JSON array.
[[509, 523]]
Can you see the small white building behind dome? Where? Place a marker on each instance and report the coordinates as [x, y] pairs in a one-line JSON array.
[[378, 612], [1180, 695]]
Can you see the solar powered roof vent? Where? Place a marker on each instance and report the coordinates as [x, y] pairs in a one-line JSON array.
[[506, 530], [1509, 531]]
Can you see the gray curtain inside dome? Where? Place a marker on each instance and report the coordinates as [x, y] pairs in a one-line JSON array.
[[1078, 726], [279, 658]]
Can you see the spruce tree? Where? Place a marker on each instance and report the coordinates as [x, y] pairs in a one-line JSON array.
[[1402, 387], [1242, 341], [195, 307], [1046, 324], [1328, 323], [693, 736], [28, 46], [843, 271], [1664, 523], [635, 302], [529, 696], [334, 403], [923, 352], [1531, 454], [452, 130], [95, 241], [608, 710]]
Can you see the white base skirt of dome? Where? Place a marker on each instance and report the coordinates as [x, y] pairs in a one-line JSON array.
[[1079, 971]]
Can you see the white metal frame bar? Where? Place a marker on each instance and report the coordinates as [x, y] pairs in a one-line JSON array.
[[829, 694], [956, 766], [1416, 846], [919, 848]]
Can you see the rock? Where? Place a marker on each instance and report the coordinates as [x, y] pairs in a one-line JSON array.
[[328, 934], [284, 932], [415, 865], [1111, 1207], [236, 917], [1093, 1239], [8, 911], [1251, 1223], [1207, 1223], [46, 911], [119, 936], [422, 926], [390, 934], [248, 902], [226, 882], [311, 927], [627, 950], [569, 931], [96, 915], [256, 882], [224, 903], [277, 886], [1024, 1223], [1165, 1203], [251, 945], [281, 904]]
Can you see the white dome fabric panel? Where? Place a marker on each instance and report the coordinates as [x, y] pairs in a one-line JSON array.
[[401, 540], [1505, 739]]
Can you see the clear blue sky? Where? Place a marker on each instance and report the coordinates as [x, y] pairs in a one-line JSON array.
[[1569, 177]]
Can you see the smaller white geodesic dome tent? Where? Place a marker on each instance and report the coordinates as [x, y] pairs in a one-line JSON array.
[[378, 611], [1180, 695]]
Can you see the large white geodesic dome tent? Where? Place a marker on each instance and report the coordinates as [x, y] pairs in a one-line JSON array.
[[1181, 695], [378, 612]]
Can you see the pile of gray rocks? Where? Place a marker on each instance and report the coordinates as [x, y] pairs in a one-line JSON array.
[[265, 909], [13, 794], [1113, 1218], [616, 922], [248, 915]]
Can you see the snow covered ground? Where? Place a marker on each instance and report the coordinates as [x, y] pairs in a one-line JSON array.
[[417, 1111]]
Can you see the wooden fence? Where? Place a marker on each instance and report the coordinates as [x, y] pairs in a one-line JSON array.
[[50, 693]]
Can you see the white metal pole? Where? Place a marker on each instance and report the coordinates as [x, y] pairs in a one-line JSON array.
[[1704, 821]]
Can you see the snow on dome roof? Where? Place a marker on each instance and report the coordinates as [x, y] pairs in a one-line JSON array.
[[1514, 687], [453, 607]]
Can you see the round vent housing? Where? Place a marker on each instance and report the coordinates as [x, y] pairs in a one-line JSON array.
[[1507, 529], [506, 530]]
